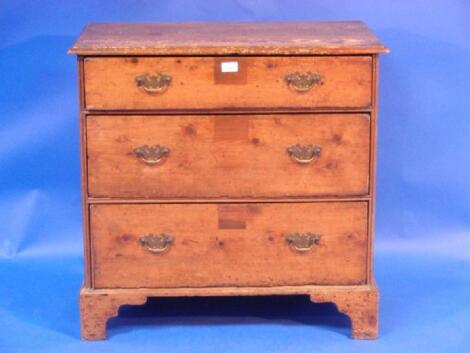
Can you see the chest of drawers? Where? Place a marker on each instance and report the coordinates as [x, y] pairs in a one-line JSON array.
[[228, 159]]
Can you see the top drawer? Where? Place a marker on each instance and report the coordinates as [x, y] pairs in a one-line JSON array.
[[178, 83]]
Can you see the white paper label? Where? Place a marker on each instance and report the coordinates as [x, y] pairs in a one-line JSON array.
[[229, 66]]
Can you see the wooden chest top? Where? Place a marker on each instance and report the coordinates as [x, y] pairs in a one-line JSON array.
[[273, 38]]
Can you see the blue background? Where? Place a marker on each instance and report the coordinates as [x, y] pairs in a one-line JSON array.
[[423, 206]]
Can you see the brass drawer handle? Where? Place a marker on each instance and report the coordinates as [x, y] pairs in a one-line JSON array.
[[302, 242], [303, 154], [302, 82], [157, 243], [153, 84], [152, 154]]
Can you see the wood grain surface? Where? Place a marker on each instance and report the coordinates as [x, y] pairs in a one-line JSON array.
[[228, 192], [199, 83], [226, 38], [359, 302], [96, 308], [228, 156], [229, 245]]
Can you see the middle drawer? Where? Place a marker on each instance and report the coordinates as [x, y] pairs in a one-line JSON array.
[[228, 156]]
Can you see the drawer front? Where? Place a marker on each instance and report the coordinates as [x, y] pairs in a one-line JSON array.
[[228, 83], [228, 156], [200, 245]]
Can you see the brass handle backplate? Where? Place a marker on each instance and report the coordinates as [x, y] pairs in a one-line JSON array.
[[156, 243], [303, 82], [303, 154], [153, 84], [152, 154], [302, 242]]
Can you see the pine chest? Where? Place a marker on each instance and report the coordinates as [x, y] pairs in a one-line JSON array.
[[228, 159]]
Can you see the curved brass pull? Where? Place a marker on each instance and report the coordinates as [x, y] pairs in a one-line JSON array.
[[152, 154], [153, 84], [303, 82], [302, 242], [157, 243], [303, 154]]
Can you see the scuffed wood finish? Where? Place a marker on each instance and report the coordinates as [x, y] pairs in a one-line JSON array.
[[229, 245], [228, 156], [198, 83], [84, 176], [225, 38], [97, 307], [359, 303], [228, 194]]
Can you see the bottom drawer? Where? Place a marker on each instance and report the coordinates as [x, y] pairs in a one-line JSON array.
[[203, 245]]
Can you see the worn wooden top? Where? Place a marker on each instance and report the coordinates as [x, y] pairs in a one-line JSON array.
[[227, 38]]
